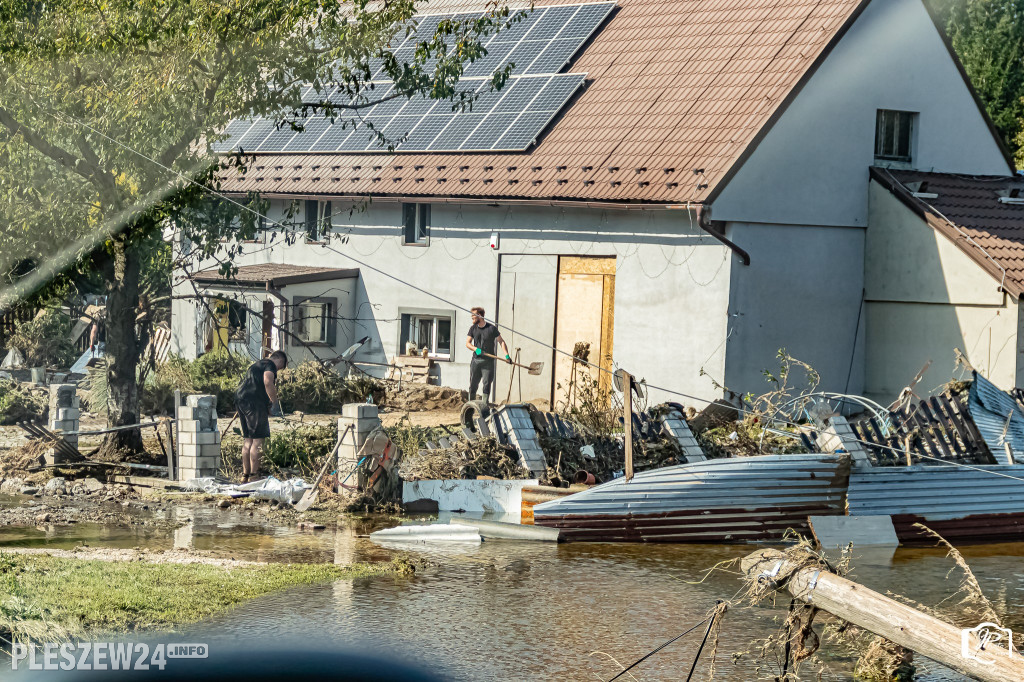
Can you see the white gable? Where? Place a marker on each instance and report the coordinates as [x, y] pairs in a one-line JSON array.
[[812, 166]]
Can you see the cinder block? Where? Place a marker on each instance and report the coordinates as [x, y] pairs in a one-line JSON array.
[[199, 462], [65, 413], [76, 402], [359, 411], [61, 395], [188, 425], [204, 410], [185, 413], [201, 438], [209, 450]]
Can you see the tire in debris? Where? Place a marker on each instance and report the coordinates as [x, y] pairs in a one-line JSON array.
[[471, 411]]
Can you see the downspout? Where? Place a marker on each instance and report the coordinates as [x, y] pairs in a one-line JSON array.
[[716, 228], [276, 293]]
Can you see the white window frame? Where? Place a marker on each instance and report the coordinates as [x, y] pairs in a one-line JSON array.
[[301, 317], [895, 159], [415, 318]]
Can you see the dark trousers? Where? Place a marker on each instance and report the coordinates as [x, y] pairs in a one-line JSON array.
[[481, 369]]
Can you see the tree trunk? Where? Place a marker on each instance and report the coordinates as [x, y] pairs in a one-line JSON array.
[[123, 350]]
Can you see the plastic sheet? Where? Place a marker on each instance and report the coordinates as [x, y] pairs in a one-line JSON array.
[[269, 488]]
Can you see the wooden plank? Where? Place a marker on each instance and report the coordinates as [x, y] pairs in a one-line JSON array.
[[146, 482], [937, 431], [952, 429]]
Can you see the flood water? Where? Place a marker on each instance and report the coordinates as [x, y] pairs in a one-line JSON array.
[[527, 611]]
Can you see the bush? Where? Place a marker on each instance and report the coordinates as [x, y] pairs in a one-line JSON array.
[[45, 341], [307, 387], [17, 404], [303, 448]]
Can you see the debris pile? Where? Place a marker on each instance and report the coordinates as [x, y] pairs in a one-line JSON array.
[[424, 397], [463, 459]]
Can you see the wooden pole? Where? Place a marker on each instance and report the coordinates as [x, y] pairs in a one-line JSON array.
[[896, 622], [906, 451], [627, 414]]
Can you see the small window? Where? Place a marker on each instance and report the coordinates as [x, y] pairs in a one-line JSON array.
[[894, 135], [433, 332], [318, 221], [312, 321], [416, 223]]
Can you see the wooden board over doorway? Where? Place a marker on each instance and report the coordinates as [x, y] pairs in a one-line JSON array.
[[585, 311]]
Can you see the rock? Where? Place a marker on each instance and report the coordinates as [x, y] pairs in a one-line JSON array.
[[55, 486], [43, 518], [12, 485], [92, 485], [309, 525], [126, 503], [29, 490], [224, 504]]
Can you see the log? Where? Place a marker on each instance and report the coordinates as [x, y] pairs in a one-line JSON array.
[[896, 622]]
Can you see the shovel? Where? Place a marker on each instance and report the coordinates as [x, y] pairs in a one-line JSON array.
[[309, 497], [534, 368]]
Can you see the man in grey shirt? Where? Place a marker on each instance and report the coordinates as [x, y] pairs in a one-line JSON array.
[[481, 338]]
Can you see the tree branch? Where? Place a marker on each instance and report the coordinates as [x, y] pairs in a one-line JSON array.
[[51, 151]]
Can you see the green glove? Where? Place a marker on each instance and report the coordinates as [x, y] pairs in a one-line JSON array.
[[479, 351], [508, 358]]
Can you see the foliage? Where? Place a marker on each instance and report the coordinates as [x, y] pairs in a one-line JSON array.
[[303, 447], [45, 341], [18, 404], [988, 37], [309, 387]]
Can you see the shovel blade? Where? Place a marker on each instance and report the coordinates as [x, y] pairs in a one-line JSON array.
[[308, 498], [535, 368]]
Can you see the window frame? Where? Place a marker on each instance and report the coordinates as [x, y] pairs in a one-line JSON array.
[[330, 326], [318, 227], [410, 316], [898, 116], [416, 223]]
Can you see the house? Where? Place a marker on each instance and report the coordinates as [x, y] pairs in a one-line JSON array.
[[944, 269], [682, 184]]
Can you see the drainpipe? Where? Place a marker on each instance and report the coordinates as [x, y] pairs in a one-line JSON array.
[[276, 293], [716, 228]]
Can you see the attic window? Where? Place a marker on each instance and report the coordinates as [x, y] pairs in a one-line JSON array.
[[894, 135], [1011, 196]]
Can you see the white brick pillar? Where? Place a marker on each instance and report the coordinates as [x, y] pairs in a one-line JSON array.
[[675, 425], [364, 420], [198, 438], [839, 435], [64, 417]]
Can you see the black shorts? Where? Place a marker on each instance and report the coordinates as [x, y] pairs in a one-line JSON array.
[[255, 419]]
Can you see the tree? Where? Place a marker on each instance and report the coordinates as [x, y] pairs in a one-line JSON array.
[[107, 105], [988, 37]]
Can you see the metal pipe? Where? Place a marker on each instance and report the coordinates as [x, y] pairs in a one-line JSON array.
[[496, 530]]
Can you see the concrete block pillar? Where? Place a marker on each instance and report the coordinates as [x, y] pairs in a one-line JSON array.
[[364, 420], [64, 417], [198, 438], [839, 435]]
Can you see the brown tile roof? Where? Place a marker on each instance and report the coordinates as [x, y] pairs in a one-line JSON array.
[[274, 274], [673, 86], [969, 213]]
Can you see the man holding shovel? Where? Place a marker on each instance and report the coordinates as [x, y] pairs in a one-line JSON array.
[[256, 401], [482, 339]]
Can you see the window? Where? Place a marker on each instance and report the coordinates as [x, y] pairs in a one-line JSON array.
[[313, 321], [318, 221], [416, 223], [894, 135], [430, 331]]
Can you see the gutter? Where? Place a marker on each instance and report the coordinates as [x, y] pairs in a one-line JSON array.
[[716, 228]]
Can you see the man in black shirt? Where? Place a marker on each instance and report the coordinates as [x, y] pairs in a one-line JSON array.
[[256, 401], [482, 338]]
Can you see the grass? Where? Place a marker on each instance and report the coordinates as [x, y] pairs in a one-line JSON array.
[[57, 598]]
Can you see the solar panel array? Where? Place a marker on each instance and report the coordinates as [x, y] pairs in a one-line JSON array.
[[511, 119]]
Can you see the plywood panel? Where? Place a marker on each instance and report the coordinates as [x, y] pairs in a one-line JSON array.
[[579, 319]]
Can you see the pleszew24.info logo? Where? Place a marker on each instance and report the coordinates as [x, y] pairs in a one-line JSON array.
[[101, 655]]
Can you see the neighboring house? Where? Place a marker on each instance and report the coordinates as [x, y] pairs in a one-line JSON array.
[[944, 270], [688, 195]]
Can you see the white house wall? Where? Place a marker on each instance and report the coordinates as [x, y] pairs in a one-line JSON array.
[[671, 287], [925, 297], [802, 293], [812, 166]]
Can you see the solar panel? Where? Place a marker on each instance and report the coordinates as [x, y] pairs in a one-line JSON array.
[[507, 120]]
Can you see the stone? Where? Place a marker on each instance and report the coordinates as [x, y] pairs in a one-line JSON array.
[[28, 490], [309, 525], [224, 504], [62, 395], [55, 486], [204, 410], [359, 411], [43, 518], [92, 485]]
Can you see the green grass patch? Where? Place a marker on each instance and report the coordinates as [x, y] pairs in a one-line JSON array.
[[62, 597]]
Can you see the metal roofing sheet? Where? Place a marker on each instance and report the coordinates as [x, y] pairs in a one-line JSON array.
[[998, 417], [673, 86]]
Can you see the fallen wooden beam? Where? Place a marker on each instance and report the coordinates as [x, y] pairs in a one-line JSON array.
[[145, 481], [896, 622]]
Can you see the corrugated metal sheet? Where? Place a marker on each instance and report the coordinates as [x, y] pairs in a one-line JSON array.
[[746, 498], [672, 86], [991, 408], [968, 505]]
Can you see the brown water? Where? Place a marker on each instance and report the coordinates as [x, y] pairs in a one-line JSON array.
[[526, 611]]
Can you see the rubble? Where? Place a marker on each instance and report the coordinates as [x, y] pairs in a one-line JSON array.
[[423, 397], [463, 460]]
